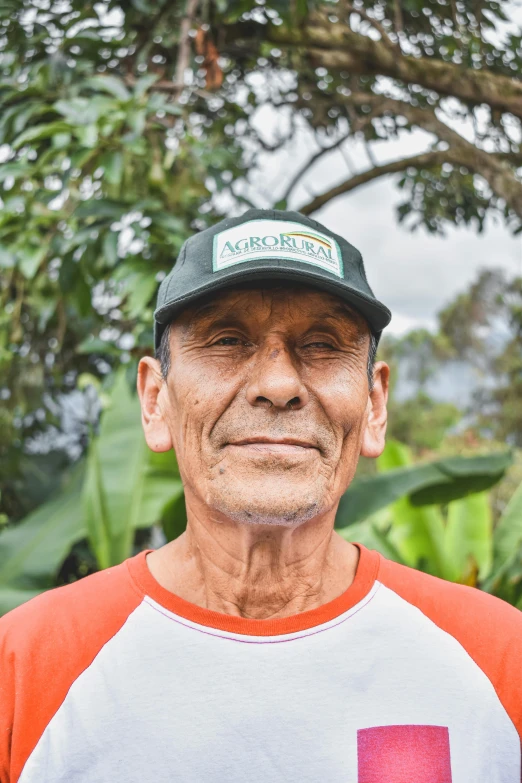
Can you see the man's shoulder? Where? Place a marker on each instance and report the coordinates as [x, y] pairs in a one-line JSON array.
[[489, 629], [70, 613], [450, 603], [45, 645]]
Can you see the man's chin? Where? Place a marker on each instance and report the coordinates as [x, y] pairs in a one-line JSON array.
[[268, 508]]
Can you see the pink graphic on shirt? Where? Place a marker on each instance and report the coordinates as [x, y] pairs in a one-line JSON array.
[[404, 754]]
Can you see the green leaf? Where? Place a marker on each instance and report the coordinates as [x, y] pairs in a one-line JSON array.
[[7, 258], [29, 259], [172, 108], [169, 223], [469, 535], [115, 468], [85, 111], [87, 135], [462, 476], [34, 109], [102, 207], [110, 247], [366, 496], [97, 345], [507, 538], [174, 518], [395, 455], [142, 289], [136, 120], [16, 169], [369, 535], [431, 483], [126, 487], [143, 6], [110, 84], [61, 140], [40, 132], [163, 487], [112, 163], [94, 502], [143, 84], [418, 535], [32, 552]]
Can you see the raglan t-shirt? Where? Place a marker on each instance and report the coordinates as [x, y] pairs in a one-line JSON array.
[[404, 678]]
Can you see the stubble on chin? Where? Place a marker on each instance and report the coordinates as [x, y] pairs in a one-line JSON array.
[[242, 502]]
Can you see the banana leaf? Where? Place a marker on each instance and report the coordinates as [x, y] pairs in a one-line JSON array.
[[436, 482], [507, 541], [469, 537], [127, 485], [32, 551], [119, 487]]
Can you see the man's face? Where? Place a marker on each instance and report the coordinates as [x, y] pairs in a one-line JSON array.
[[267, 402]]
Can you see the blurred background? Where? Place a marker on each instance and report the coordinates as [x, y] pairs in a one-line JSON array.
[[126, 127]]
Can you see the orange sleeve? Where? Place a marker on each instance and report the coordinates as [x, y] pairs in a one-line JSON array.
[[490, 630], [45, 644]]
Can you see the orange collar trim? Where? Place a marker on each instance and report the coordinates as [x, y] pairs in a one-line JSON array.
[[365, 576]]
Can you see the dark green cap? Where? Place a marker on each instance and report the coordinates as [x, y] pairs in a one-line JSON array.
[[267, 245]]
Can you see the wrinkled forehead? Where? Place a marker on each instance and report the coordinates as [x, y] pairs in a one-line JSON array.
[[284, 303]]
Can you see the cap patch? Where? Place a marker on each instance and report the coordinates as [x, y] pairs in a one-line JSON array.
[[281, 239]]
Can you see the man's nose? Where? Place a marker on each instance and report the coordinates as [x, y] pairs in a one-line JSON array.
[[275, 380]]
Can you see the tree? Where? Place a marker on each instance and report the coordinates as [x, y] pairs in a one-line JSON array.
[[421, 422], [126, 126], [506, 397], [106, 171], [484, 326], [377, 68]]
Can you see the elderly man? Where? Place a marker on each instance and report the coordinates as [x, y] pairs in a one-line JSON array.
[[259, 645]]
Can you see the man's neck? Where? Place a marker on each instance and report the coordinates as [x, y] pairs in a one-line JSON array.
[[255, 571]]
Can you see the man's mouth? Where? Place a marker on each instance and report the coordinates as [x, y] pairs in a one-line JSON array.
[[274, 445]]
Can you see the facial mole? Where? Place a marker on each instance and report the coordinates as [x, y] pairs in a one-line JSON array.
[[274, 353], [222, 470]]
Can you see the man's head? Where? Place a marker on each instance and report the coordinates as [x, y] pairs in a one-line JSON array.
[[266, 401], [264, 380]]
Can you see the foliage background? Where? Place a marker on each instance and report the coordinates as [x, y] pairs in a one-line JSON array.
[[127, 126]]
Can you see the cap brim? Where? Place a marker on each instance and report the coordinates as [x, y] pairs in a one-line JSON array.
[[376, 313]]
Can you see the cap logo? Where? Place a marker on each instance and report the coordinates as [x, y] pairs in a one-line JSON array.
[[279, 239]]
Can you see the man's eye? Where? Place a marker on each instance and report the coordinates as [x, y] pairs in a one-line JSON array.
[[320, 345], [229, 341]]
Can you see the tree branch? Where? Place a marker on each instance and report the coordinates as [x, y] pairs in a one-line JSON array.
[[338, 47], [495, 169], [418, 161], [184, 46], [166, 85], [385, 38], [492, 168], [399, 20], [309, 163]]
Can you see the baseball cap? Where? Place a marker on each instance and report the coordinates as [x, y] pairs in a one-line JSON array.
[[264, 245]]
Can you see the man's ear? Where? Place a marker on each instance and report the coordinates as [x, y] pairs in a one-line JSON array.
[[150, 385], [373, 438]]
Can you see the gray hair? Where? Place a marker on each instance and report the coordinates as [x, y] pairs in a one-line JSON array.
[[163, 355]]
